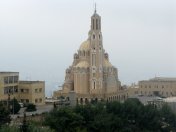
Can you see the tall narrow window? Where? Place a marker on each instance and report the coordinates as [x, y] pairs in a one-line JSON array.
[[94, 84], [96, 23], [93, 24], [93, 36], [92, 59]]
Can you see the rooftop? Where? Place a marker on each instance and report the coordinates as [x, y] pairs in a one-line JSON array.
[[8, 72], [30, 82], [160, 79]]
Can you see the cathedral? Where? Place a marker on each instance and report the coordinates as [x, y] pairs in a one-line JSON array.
[[91, 75]]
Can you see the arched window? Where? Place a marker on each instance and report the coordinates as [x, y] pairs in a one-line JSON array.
[[93, 23], [97, 24], [93, 36], [94, 85]]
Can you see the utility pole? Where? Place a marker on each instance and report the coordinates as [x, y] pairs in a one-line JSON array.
[[8, 101]]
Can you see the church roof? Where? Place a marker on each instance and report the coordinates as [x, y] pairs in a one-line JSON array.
[[85, 45], [82, 64]]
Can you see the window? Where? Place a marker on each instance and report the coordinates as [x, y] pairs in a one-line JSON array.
[[93, 60], [96, 23], [94, 85], [15, 79], [6, 80], [15, 89], [6, 90], [36, 100], [36, 90], [40, 100], [93, 23], [40, 90], [162, 86], [93, 36], [11, 79]]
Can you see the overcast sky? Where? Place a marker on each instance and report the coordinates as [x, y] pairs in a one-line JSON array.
[[39, 37]]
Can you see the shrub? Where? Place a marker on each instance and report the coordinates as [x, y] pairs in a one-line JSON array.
[[15, 106]]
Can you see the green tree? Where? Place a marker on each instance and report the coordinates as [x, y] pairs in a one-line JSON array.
[[15, 106], [4, 115], [168, 118], [64, 120], [130, 116]]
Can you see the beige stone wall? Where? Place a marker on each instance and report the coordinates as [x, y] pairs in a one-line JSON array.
[[163, 88], [32, 92], [8, 85], [23, 91]]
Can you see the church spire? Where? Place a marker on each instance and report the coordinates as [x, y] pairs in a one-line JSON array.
[[95, 20], [95, 10]]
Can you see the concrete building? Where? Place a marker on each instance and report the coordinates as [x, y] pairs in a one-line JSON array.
[[32, 92], [158, 86], [23, 91], [9, 84], [91, 75]]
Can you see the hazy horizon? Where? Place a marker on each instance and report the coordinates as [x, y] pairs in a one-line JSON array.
[[39, 37]]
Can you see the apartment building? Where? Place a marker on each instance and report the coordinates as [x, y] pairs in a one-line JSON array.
[[159, 86], [9, 85], [23, 91], [32, 92]]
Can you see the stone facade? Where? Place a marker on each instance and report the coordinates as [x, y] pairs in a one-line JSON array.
[[91, 75], [9, 84], [159, 86], [32, 92]]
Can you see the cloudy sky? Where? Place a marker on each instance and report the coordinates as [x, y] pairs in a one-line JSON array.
[[39, 37]]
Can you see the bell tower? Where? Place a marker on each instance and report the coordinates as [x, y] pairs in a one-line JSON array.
[[96, 55]]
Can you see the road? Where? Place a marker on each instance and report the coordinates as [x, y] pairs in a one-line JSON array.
[[40, 110]]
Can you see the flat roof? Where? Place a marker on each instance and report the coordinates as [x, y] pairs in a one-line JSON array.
[[30, 82], [160, 79], [7, 72]]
